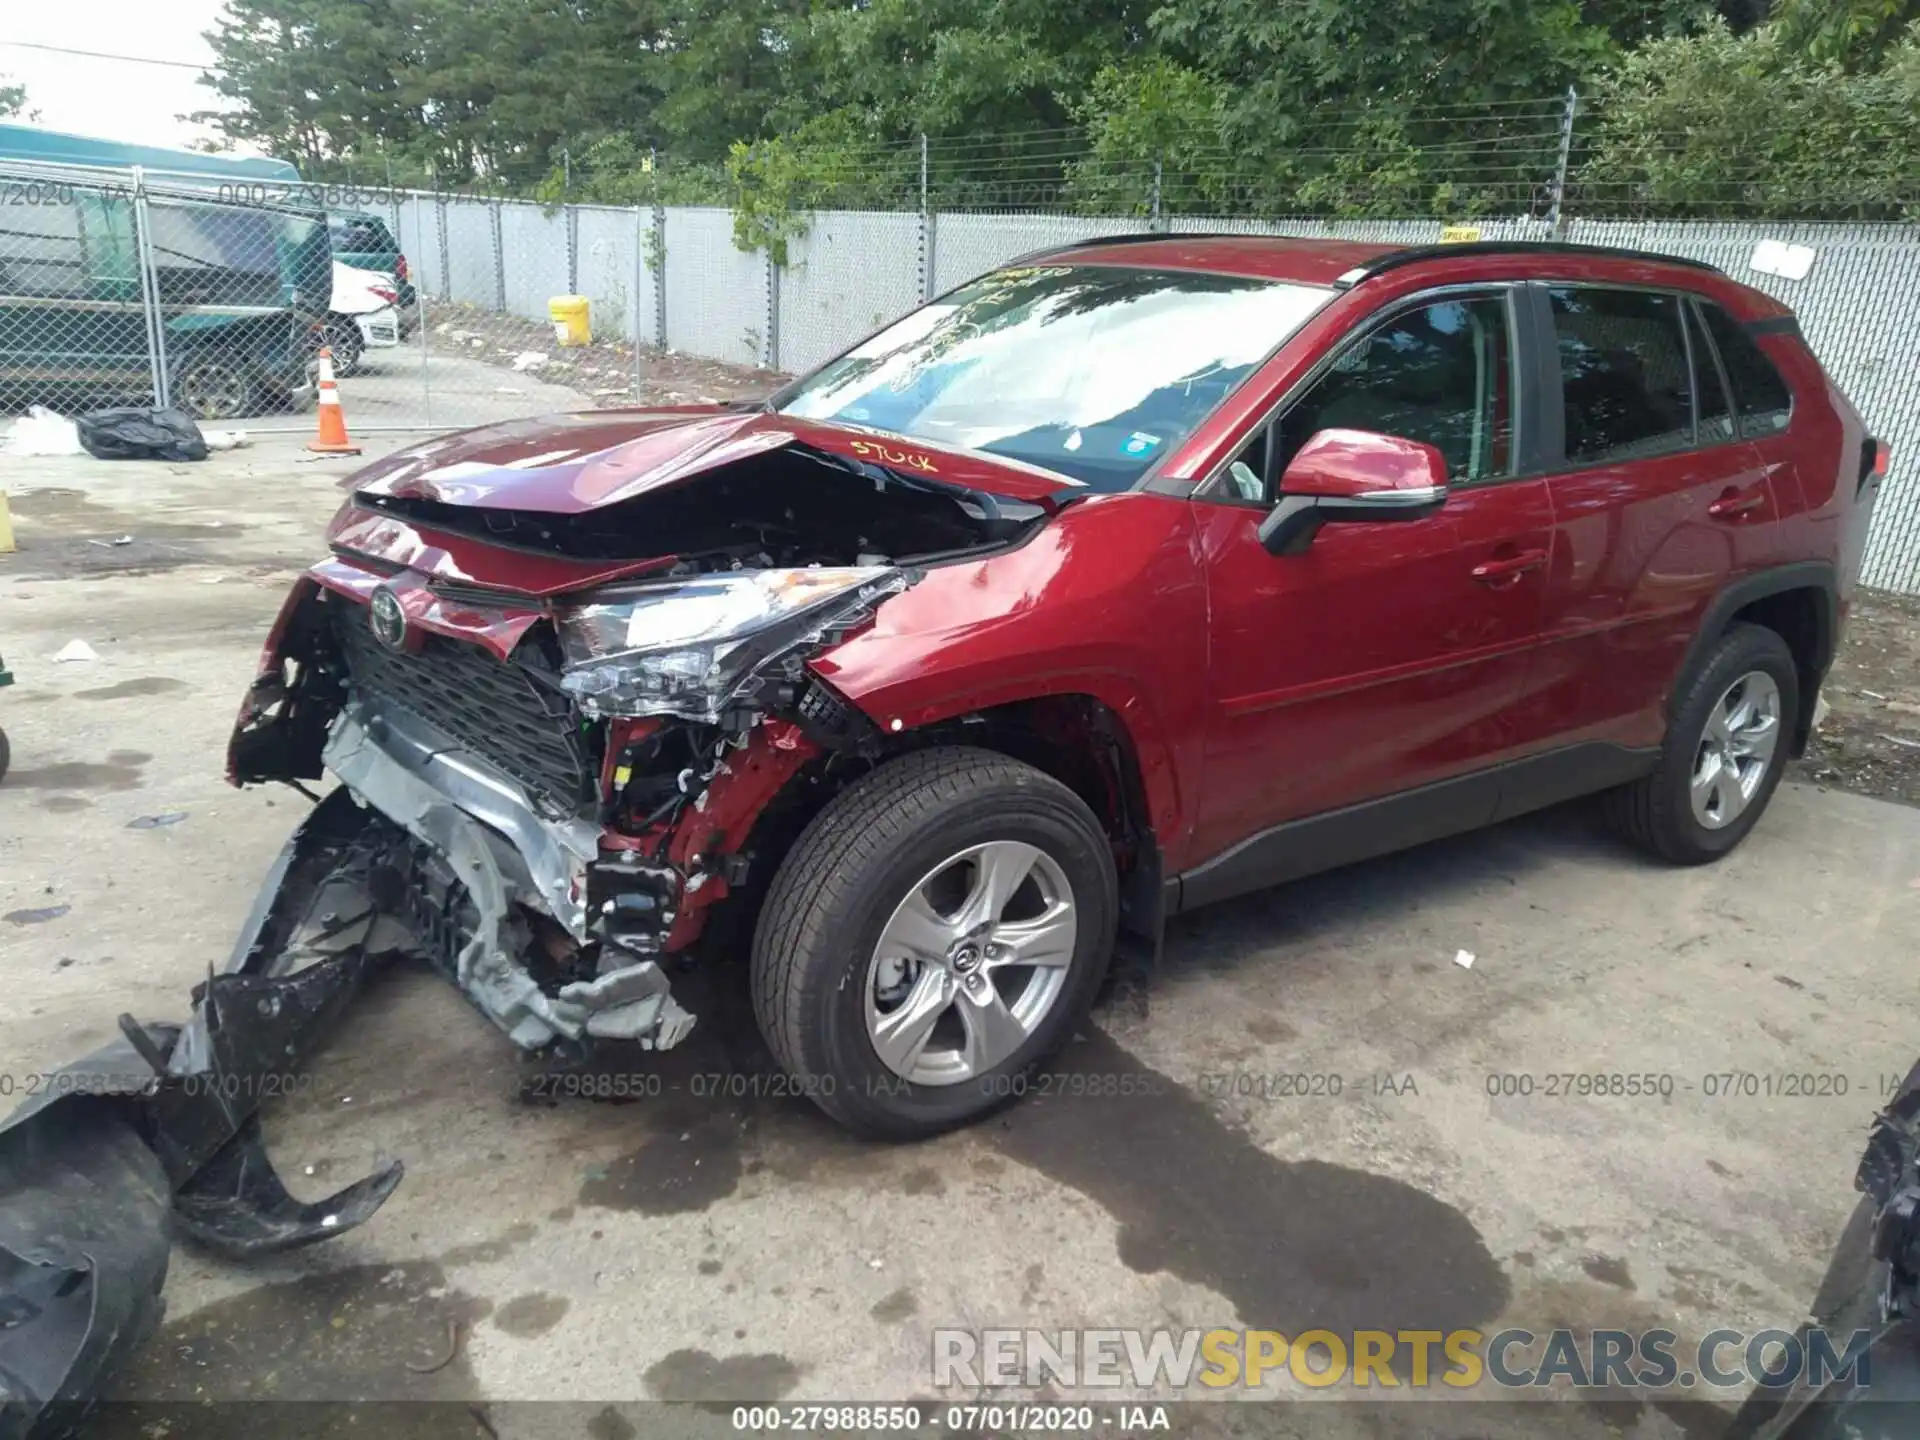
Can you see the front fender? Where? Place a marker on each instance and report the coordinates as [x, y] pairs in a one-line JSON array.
[[1105, 600]]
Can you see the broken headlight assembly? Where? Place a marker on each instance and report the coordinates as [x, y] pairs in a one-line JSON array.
[[697, 647]]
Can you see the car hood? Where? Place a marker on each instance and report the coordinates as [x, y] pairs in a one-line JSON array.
[[568, 464]]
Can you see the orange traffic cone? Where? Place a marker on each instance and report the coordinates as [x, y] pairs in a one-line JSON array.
[[332, 439]]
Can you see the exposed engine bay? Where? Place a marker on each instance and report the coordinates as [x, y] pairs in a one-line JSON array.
[[784, 507]]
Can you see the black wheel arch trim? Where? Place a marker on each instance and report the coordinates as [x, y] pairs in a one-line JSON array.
[[1821, 579]]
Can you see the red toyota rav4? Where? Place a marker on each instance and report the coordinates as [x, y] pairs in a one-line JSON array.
[[1133, 576]]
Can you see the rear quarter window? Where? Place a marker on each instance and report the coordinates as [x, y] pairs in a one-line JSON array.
[[1760, 397]]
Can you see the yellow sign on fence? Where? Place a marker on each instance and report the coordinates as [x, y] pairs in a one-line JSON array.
[[1459, 234]]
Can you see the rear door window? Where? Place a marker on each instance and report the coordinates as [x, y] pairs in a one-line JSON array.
[[208, 255], [1624, 376], [1760, 396]]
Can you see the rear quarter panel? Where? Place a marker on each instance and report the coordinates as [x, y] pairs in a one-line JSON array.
[[1821, 451]]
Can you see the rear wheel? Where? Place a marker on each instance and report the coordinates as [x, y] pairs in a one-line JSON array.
[[344, 340], [215, 388], [1726, 747], [933, 935]]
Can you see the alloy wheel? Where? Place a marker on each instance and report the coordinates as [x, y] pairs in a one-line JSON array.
[[214, 390], [971, 962], [1736, 749]]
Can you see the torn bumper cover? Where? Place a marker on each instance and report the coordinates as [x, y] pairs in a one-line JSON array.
[[157, 1134], [483, 851]]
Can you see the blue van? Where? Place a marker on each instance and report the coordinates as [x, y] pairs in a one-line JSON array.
[[241, 287]]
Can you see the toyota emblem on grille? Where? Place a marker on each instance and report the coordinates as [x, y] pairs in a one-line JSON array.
[[387, 620]]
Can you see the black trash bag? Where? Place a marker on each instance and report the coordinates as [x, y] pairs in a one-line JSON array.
[[134, 432]]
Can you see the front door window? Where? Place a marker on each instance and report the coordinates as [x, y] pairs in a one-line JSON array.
[[1440, 374]]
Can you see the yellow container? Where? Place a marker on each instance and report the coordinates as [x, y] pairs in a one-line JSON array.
[[571, 324]]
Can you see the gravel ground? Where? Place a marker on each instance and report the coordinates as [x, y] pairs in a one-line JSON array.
[[603, 370], [1870, 740]]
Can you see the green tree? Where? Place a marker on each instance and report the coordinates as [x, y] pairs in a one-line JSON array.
[[1719, 124], [13, 99], [1858, 35], [726, 72], [1324, 107], [464, 90]]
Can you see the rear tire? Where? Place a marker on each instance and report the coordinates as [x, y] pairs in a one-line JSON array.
[[344, 340], [1712, 783], [213, 388], [906, 862]]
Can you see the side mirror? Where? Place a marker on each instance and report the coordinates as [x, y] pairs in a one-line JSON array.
[[1347, 475]]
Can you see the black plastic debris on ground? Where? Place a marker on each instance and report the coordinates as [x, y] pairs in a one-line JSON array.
[[133, 432]]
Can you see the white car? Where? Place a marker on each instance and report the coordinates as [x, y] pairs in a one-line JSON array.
[[361, 315]]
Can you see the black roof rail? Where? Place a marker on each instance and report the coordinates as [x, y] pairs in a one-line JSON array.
[[1134, 237], [1415, 254]]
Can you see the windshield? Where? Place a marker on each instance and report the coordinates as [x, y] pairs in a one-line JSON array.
[[1089, 370]]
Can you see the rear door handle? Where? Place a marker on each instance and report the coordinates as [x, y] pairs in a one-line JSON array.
[[1732, 504], [1509, 567]]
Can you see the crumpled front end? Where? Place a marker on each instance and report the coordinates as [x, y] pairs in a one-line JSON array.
[[546, 858], [568, 724]]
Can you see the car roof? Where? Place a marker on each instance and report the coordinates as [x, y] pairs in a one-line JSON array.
[[1338, 263]]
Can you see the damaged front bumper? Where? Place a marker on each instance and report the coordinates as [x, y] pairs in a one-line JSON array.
[[483, 853], [157, 1136]]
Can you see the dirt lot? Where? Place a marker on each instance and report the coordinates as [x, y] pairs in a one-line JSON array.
[[1870, 741], [602, 371], [716, 1242]]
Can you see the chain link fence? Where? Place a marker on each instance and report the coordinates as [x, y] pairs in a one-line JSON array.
[[116, 288]]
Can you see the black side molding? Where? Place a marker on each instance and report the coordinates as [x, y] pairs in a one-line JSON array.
[[1773, 325], [1394, 822]]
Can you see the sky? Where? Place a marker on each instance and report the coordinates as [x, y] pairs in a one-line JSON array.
[[113, 99]]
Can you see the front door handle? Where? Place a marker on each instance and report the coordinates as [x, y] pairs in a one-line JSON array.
[[1504, 568], [1732, 503]]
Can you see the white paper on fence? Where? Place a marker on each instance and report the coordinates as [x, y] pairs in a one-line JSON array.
[[1778, 257], [42, 432]]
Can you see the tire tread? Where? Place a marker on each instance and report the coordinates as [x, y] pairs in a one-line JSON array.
[[1646, 811], [820, 875]]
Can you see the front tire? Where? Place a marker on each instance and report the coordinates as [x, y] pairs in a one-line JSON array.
[[934, 934], [1726, 747]]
